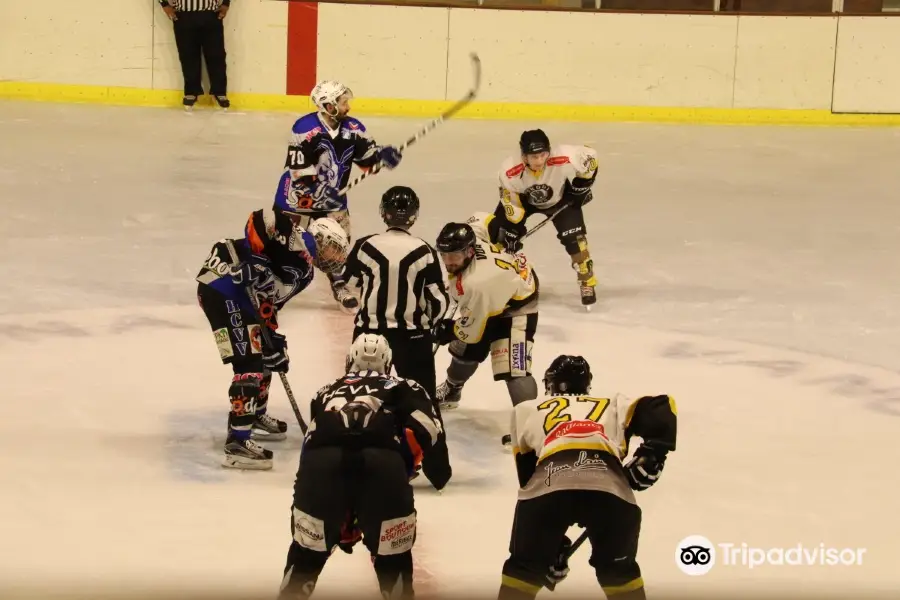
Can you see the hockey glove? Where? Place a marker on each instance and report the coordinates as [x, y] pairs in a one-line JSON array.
[[390, 156], [275, 357], [578, 192], [560, 569], [350, 534], [644, 469], [510, 239], [443, 332]]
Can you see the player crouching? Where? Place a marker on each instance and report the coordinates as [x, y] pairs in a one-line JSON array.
[[497, 298], [569, 448], [273, 262], [353, 463]]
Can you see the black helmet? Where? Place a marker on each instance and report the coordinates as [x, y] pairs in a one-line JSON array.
[[399, 206], [455, 237], [534, 141], [568, 375]]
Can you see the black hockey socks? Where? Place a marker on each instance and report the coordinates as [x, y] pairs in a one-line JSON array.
[[395, 575]]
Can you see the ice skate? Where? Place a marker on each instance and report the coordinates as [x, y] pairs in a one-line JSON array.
[[246, 454], [448, 395], [506, 440], [588, 293], [268, 428], [188, 102], [223, 102], [345, 297]]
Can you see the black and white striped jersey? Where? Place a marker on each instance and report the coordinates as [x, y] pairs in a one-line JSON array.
[[400, 280], [194, 5]]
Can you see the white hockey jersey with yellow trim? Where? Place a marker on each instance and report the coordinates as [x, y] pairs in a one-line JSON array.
[[578, 443], [545, 187], [493, 284]]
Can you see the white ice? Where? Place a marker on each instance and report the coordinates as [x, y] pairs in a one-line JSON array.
[[748, 271]]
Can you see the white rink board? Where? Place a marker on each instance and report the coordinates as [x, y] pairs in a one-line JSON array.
[[384, 51], [866, 75], [606, 59], [741, 270], [785, 62]]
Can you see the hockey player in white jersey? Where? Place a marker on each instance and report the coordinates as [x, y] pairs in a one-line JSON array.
[[497, 314], [539, 181], [570, 448]]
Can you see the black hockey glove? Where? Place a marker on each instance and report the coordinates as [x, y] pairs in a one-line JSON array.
[[275, 357], [578, 192], [390, 156], [560, 569], [436, 464], [510, 239], [644, 469], [443, 332]]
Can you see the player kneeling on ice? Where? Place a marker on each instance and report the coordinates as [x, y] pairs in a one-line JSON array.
[[497, 299], [544, 180], [354, 463], [323, 148], [273, 262], [569, 447]]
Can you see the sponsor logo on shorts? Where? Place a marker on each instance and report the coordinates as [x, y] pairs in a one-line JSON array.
[[397, 535]]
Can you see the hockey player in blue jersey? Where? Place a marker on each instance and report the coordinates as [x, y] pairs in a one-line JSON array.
[[275, 261], [323, 148]]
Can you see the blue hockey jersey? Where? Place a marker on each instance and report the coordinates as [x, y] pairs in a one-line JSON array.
[[318, 155], [279, 274]]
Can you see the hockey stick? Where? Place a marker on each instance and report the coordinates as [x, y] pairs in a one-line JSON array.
[[578, 542], [552, 216], [264, 330], [476, 67]]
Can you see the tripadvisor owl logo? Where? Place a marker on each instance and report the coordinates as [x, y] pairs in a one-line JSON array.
[[697, 555]]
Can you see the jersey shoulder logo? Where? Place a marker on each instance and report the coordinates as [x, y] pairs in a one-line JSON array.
[[557, 160], [515, 171]]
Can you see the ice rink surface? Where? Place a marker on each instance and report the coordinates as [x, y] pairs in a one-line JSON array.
[[748, 271]]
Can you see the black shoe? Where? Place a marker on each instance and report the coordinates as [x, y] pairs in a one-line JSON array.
[[189, 101], [223, 101]]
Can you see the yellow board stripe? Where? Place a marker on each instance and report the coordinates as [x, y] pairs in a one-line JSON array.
[[98, 94]]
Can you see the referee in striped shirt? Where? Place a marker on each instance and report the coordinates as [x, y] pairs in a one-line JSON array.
[[199, 32], [402, 290]]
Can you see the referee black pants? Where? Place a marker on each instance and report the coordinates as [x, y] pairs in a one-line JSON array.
[[413, 354], [199, 34]]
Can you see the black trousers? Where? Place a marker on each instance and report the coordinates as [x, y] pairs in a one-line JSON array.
[[413, 354], [197, 34], [569, 223], [334, 484], [613, 527]]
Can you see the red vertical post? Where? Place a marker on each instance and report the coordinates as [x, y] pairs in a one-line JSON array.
[[302, 47]]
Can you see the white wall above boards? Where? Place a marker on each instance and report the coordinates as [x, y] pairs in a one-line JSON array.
[[867, 67]]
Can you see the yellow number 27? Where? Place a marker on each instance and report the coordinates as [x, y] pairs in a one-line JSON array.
[[558, 404]]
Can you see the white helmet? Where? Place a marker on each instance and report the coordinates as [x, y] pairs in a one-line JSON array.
[[370, 352], [329, 92], [332, 244], [479, 224]]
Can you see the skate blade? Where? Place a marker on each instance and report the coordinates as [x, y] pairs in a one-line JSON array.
[[449, 406], [247, 464], [260, 434]]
